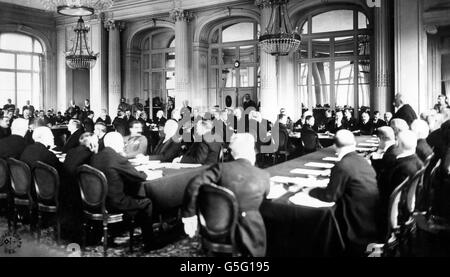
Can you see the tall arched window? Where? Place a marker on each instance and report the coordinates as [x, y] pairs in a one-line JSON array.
[[20, 69], [233, 63], [334, 59], [158, 62]]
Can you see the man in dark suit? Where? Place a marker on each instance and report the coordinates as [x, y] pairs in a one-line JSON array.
[[38, 151], [406, 165], [9, 106], [5, 131], [337, 124], [168, 147], [404, 111], [249, 184], [377, 122], [73, 111], [353, 187], [205, 149], [13, 145], [365, 127], [123, 184], [120, 123], [89, 122], [160, 119], [384, 158], [350, 121], [29, 107], [100, 131], [76, 130], [248, 102], [309, 137]]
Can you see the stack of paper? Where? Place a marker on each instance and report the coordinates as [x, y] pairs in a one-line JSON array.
[[373, 140], [320, 165], [311, 172], [331, 159], [303, 199], [364, 149], [367, 144], [276, 191], [154, 174]]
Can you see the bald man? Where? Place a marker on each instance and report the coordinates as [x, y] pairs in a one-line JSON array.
[[123, 185], [404, 111], [249, 184], [353, 187]]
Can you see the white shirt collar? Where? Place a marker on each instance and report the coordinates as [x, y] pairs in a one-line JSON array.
[[406, 154]]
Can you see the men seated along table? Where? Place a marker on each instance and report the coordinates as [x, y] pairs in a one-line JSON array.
[[135, 143], [350, 122], [123, 186], [422, 130], [76, 130], [384, 158], [13, 146], [205, 150], [353, 187], [377, 122], [39, 150], [337, 124], [406, 165], [249, 184], [309, 137], [168, 147]]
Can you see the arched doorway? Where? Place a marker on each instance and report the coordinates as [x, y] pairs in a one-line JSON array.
[[158, 69], [233, 63]]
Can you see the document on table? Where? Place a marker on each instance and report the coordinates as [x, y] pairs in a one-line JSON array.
[[311, 172], [304, 199], [331, 159], [276, 191], [373, 140], [154, 174], [364, 144], [320, 165], [300, 182]]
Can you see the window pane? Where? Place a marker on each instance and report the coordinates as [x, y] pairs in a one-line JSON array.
[[362, 21], [303, 49], [345, 95], [24, 62], [344, 46], [37, 47], [36, 90], [363, 45], [304, 29], [146, 81], [304, 99], [247, 54], [229, 55], [146, 61], [321, 48], [320, 82], [157, 60], [157, 84], [7, 61], [170, 60], [147, 44], [172, 44], [170, 80], [238, 32], [24, 88], [7, 80], [247, 77], [229, 75], [214, 78], [333, 21], [364, 71], [344, 73], [36, 63], [16, 42], [303, 74]]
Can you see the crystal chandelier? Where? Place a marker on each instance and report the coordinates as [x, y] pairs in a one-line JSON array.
[[80, 56], [77, 7], [279, 39]]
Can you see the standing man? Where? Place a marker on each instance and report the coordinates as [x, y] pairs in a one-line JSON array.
[[123, 106], [76, 130], [404, 111], [353, 186], [9, 106], [136, 106], [29, 107], [73, 111], [248, 102], [442, 104]]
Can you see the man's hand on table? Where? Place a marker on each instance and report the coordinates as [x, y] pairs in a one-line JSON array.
[[190, 225]]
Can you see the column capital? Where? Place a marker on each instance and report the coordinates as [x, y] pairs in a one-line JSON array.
[[181, 15], [114, 25], [263, 4]]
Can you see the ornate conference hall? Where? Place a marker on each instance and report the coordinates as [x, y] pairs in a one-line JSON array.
[[224, 128]]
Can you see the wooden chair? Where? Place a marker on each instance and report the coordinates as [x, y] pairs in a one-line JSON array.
[[5, 189], [46, 183], [20, 174], [94, 188], [217, 212]]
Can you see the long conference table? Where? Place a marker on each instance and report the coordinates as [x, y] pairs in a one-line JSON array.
[[293, 230]]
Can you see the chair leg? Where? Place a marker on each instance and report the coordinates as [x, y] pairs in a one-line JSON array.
[[39, 224], [58, 230], [15, 214], [83, 236], [131, 235], [105, 240]]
